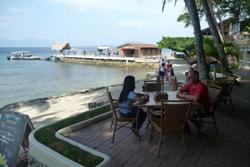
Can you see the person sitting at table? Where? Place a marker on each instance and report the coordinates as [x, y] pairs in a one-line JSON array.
[[196, 91], [127, 100]]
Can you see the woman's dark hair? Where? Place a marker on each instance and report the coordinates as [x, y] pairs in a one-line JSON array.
[[128, 85]]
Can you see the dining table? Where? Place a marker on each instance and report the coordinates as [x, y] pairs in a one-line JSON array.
[[152, 102]]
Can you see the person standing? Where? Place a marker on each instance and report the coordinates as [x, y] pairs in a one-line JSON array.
[[167, 70], [162, 70]]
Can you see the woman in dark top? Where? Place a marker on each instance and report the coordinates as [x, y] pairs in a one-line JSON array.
[[127, 98]]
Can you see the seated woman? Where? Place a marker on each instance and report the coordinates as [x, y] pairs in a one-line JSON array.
[[127, 99]]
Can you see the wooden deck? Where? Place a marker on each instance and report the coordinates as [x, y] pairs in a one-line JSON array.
[[230, 148]]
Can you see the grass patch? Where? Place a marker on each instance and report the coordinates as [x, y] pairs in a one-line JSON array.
[[47, 137]]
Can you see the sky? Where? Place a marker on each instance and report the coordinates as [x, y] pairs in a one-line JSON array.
[[34, 23]]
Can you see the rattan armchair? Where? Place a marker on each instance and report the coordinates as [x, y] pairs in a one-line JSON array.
[[171, 122], [214, 95], [116, 117]]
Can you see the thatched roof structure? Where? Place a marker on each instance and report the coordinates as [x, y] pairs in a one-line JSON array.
[[60, 46]]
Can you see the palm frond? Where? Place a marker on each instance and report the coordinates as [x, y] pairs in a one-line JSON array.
[[164, 3]]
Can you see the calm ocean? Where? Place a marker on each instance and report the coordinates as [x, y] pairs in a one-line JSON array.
[[24, 80]]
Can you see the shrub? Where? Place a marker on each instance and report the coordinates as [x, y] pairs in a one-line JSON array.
[[47, 137]]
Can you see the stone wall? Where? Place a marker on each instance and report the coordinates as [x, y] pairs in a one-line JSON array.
[[108, 62]]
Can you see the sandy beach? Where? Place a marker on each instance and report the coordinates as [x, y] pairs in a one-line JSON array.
[[51, 109]]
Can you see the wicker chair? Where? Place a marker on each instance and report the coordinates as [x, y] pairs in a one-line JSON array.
[[214, 95], [152, 86], [227, 87], [171, 122], [116, 118]]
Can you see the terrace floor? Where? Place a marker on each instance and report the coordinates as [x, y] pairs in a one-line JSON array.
[[229, 148]]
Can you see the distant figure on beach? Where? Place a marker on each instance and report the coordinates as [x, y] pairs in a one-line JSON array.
[[167, 69], [162, 70], [162, 61], [126, 100], [173, 54], [169, 72]]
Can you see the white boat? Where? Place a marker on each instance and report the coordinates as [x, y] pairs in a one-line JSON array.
[[22, 55]]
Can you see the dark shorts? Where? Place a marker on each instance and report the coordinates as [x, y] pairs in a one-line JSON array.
[[161, 73]]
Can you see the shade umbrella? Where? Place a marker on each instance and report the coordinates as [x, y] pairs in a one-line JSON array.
[[209, 60]]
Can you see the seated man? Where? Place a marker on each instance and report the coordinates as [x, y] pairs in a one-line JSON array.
[[196, 91]]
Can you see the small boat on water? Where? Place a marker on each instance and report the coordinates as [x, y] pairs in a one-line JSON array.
[[22, 55]]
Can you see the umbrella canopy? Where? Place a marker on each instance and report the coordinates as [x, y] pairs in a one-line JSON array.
[[209, 60]]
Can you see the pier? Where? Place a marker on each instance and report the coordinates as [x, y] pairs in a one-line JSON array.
[[106, 60]]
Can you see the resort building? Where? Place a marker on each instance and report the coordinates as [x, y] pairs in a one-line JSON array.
[[244, 46], [229, 30], [142, 51], [236, 32]]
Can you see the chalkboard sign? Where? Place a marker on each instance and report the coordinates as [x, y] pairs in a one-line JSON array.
[[14, 131]]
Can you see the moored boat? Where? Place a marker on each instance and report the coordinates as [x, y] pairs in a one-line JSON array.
[[22, 55]]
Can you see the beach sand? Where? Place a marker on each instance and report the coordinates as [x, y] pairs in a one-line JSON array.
[[43, 111], [51, 109]]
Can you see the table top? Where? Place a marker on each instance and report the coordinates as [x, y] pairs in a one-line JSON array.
[[153, 103]]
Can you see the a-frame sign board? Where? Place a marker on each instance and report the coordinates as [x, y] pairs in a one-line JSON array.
[[14, 131]]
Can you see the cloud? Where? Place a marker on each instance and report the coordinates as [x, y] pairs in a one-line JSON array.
[[16, 10], [132, 23], [120, 5], [13, 14], [4, 18], [83, 5]]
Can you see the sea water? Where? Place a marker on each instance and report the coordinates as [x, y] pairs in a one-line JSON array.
[[22, 80], [25, 79]]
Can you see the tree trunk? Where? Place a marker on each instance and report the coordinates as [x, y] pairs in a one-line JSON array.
[[216, 24], [221, 27], [202, 65], [216, 37]]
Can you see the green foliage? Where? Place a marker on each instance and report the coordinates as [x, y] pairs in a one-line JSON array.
[[3, 161], [186, 19], [245, 25], [234, 66], [248, 29], [209, 47], [47, 137], [182, 44], [231, 49], [186, 45], [233, 8]]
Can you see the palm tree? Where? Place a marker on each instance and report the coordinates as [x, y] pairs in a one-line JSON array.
[[201, 61], [216, 36]]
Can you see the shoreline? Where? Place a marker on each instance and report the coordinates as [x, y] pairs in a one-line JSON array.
[[53, 108]]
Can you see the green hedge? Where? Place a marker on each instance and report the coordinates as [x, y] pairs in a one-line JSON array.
[[47, 137], [187, 45]]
